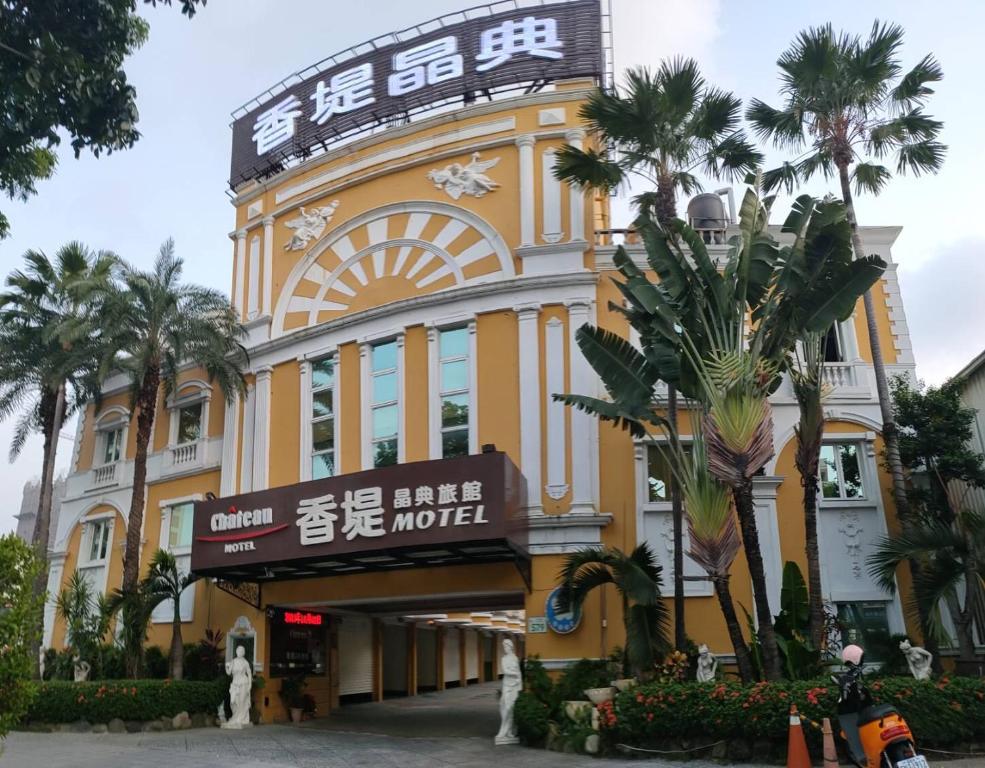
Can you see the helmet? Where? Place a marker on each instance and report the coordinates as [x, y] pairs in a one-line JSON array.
[[852, 654]]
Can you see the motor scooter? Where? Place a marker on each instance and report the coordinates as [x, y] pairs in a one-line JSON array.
[[876, 735]]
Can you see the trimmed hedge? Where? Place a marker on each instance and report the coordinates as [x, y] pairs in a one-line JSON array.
[[940, 712], [60, 701]]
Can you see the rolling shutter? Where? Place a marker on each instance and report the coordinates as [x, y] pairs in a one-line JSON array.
[[355, 655], [471, 654], [451, 654]]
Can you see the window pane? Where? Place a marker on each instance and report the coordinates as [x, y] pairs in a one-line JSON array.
[[385, 356], [385, 421], [180, 533], [322, 373], [385, 388], [99, 545], [454, 410], [455, 443], [829, 473], [113, 438], [189, 423], [658, 475], [852, 477], [454, 343], [321, 403], [323, 435], [832, 346], [322, 465], [385, 453], [454, 375], [867, 624]]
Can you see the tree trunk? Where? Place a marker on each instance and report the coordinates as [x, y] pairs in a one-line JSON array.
[[677, 510], [742, 658], [890, 432], [754, 556], [807, 458], [146, 407], [177, 645], [52, 408]]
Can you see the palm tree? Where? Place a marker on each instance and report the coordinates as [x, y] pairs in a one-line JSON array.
[[666, 125], [636, 578], [160, 324], [847, 103], [85, 614], [133, 610], [51, 338], [165, 581]]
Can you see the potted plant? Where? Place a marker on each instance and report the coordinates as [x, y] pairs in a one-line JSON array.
[[292, 694], [599, 689]]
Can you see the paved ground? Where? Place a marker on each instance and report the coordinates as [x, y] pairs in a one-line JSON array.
[[450, 729]]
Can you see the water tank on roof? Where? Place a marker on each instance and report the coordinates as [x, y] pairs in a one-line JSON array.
[[706, 215]]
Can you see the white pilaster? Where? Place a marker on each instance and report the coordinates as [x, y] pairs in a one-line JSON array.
[[240, 269], [253, 300], [249, 423], [434, 393], [305, 446], [230, 444], [401, 399], [551, 203], [584, 428], [366, 404], [261, 438], [576, 193], [526, 147], [529, 371], [268, 265], [557, 433], [473, 389]]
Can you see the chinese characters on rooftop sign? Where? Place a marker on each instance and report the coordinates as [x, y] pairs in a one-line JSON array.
[[536, 44]]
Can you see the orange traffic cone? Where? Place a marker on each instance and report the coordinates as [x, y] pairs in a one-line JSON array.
[[830, 753], [797, 755]]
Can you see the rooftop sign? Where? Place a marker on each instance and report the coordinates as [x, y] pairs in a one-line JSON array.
[[420, 514], [437, 63]]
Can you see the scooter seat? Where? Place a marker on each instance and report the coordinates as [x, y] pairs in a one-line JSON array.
[[876, 712]]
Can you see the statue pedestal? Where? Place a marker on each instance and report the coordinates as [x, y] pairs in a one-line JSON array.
[[501, 741], [236, 726]]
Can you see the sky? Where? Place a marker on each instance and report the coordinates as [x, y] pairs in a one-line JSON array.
[[191, 74]]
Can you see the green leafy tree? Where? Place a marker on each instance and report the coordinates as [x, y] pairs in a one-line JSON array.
[[20, 620], [166, 581], [61, 65], [848, 105], [637, 579], [663, 127], [160, 324], [52, 337], [86, 616]]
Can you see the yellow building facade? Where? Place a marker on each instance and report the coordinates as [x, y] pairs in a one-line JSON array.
[[412, 298]]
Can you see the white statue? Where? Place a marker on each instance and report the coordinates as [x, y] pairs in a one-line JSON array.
[[239, 690], [512, 685], [918, 659], [41, 663], [707, 664], [309, 225], [457, 179], [81, 669]]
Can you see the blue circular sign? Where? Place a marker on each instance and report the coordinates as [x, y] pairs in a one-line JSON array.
[[560, 623]]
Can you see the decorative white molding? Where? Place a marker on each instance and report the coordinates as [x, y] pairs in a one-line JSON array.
[[246, 455], [851, 529], [897, 317], [473, 388], [253, 300], [564, 534], [304, 371], [456, 179], [261, 439], [401, 399], [309, 225], [764, 498], [529, 374], [551, 202], [230, 446], [434, 392], [268, 264], [555, 116], [366, 404], [553, 259], [240, 268], [254, 209], [576, 195], [526, 197], [557, 433], [584, 428]]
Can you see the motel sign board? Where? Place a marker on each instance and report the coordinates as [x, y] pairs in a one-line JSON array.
[[407, 73], [417, 514]]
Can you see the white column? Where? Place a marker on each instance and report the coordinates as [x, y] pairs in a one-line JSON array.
[[576, 193], [584, 428], [366, 405], [305, 446], [557, 433], [56, 567], [529, 371], [249, 423], [401, 398], [253, 300], [526, 146], [230, 444], [240, 268], [434, 394], [473, 389], [261, 437], [551, 203], [268, 264]]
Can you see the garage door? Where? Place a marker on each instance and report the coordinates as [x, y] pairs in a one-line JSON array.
[[355, 655], [427, 677], [395, 658], [472, 654], [452, 673]]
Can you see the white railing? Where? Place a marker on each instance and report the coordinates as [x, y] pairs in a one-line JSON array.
[[839, 375], [184, 454], [104, 475]]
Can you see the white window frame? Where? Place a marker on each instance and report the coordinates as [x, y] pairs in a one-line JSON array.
[[164, 612], [861, 452], [189, 393], [435, 394], [307, 404], [368, 406], [89, 523], [109, 421]]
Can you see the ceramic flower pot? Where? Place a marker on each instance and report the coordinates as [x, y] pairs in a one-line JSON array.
[[625, 683], [296, 713], [600, 695], [575, 710]]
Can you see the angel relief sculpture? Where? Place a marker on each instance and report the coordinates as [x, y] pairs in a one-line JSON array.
[[457, 179], [309, 225]]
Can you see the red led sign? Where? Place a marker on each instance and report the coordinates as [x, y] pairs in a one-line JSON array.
[[297, 617]]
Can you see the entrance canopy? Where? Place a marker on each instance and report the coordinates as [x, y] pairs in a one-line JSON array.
[[422, 514]]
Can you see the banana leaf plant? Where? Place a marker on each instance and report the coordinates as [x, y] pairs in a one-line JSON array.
[[723, 335]]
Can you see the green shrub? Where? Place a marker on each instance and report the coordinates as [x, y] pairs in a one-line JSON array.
[[100, 702], [156, 664], [584, 673], [939, 712], [20, 619], [532, 718]]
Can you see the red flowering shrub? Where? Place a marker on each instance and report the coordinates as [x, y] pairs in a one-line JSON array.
[[60, 701]]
